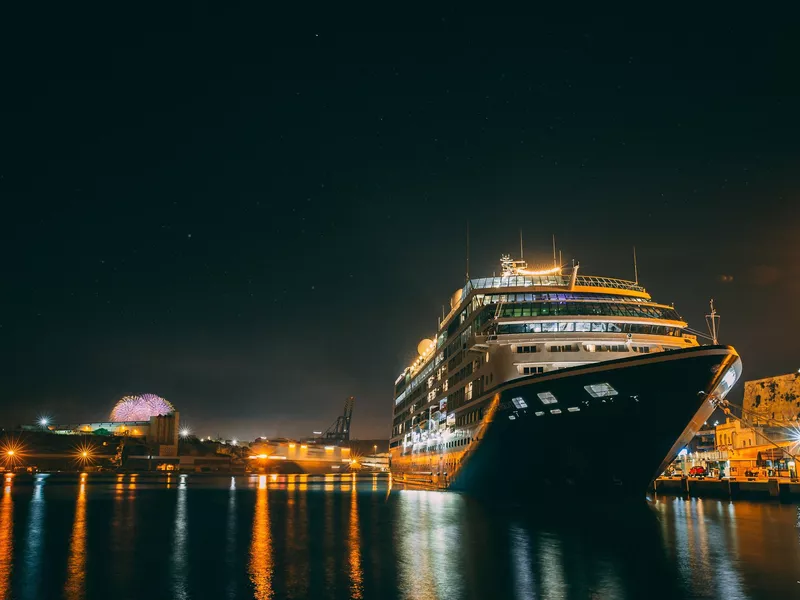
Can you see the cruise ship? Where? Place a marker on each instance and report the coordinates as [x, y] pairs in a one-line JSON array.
[[541, 383]]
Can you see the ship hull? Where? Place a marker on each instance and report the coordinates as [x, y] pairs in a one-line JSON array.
[[612, 445]]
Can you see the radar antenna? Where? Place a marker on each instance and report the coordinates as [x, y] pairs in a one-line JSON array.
[[712, 321]]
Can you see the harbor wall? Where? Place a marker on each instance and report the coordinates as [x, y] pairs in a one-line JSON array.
[[745, 489]]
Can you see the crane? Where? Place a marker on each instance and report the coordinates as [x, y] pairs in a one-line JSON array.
[[339, 431]]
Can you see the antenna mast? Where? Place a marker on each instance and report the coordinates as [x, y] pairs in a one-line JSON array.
[[636, 267], [554, 250], [712, 320], [467, 250], [521, 251]]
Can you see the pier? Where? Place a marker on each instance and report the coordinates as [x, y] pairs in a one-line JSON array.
[[749, 488]]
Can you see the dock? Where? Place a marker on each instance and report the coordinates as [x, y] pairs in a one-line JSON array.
[[734, 488]]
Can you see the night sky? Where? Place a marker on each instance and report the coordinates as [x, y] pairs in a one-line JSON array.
[[257, 214]]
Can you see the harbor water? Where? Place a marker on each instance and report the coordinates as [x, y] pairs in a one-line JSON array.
[[279, 537]]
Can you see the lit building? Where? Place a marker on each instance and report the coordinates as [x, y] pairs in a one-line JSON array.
[[146, 416], [756, 449]]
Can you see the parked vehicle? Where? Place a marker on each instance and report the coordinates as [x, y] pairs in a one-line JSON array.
[[698, 471]]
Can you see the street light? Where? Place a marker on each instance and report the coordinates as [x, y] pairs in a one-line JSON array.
[[184, 433], [44, 421]]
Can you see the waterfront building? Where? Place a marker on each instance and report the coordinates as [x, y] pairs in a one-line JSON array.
[[543, 374], [756, 449], [159, 431], [292, 456]]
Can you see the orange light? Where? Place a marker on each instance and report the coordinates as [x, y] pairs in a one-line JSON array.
[[84, 454], [10, 453], [292, 445]]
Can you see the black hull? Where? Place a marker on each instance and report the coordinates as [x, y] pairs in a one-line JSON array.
[[614, 445]]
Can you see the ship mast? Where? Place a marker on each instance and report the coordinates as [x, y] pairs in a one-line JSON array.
[[712, 320]]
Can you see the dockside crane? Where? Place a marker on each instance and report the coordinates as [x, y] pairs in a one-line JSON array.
[[339, 431]]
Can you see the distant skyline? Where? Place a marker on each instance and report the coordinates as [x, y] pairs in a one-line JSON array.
[[258, 214]]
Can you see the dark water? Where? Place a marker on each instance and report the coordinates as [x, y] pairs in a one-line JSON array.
[[270, 539]]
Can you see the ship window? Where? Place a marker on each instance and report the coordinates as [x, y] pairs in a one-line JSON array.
[[519, 402], [563, 348], [547, 398], [555, 411], [573, 409], [532, 370], [539, 413], [582, 326], [566, 326], [549, 327], [526, 349], [600, 390], [598, 326]]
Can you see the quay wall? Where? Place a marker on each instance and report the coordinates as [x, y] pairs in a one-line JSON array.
[[749, 488]]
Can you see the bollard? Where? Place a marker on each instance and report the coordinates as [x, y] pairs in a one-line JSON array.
[[773, 485], [733, 485]]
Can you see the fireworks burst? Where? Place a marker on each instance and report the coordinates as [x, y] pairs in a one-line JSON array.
[[140, 408]]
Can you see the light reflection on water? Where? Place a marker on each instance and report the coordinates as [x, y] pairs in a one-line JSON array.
[[230, 541], [430, 544], [6, 540], [354, 541], [276, 537], [76, 568], [180, 559], [296, 537], [261, 548], [32, 562], [521, 552]]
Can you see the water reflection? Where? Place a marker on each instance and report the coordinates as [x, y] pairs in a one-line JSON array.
[[696, 538], [230, 541], [428, 536], [261, 546], [76, 568], [521, 553], [354, 541], [551, 566], [180, 560], [330, 535], [6, 540], [296, 540], [32, 562]]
